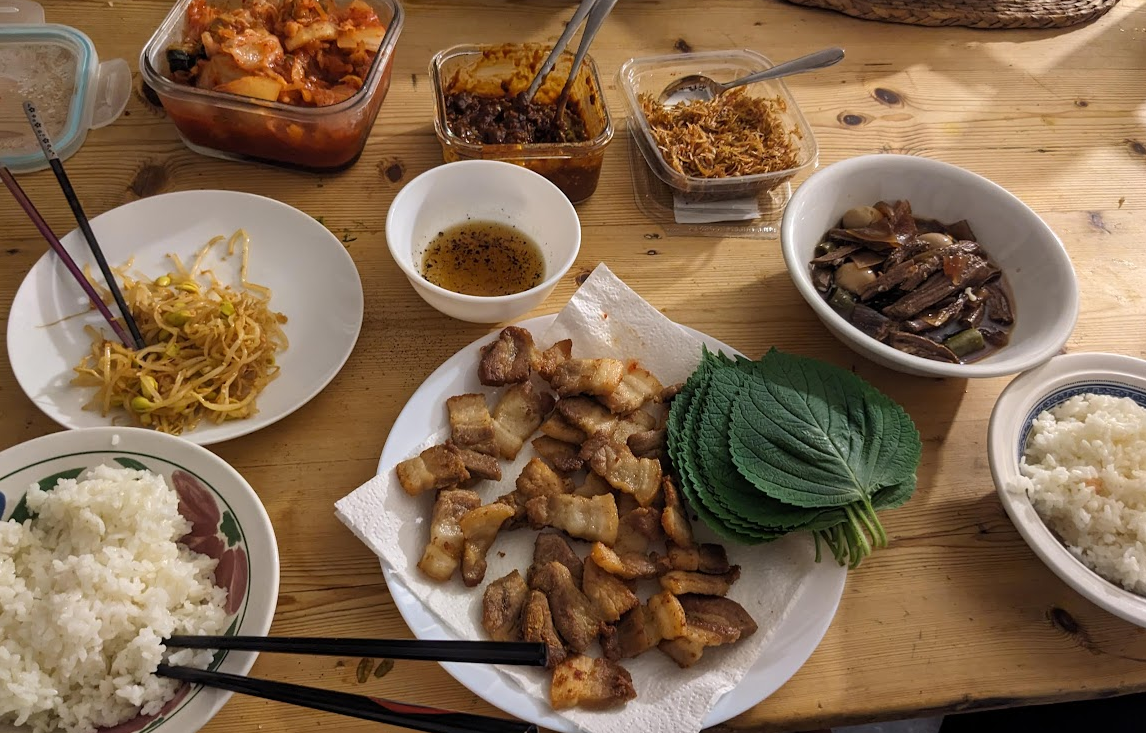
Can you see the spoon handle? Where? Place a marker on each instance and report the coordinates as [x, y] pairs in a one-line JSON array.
[[818, 60], [596, 19]]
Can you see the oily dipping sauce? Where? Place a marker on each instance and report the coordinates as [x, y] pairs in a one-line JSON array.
[[483, 258]]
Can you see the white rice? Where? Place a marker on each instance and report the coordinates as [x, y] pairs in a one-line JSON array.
[[1084, 469], [87, 590]]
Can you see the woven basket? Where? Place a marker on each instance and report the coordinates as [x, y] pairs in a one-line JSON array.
[[971, 13]]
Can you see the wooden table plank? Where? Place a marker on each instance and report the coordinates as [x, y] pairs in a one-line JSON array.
[[957, 613]]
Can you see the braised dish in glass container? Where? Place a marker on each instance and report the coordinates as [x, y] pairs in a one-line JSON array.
[[481, 113], [291, 82]]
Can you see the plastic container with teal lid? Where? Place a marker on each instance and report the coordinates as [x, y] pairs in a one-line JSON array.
[[56, 68]]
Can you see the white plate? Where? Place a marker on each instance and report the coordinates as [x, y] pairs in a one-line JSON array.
[[313, 279], [1020, 403], [793, 642], [241, 530]]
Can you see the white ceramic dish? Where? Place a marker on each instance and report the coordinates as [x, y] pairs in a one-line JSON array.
[[1032, 257], [791, 645], [313, 279], [239, 535], [1041, 389], [482, 190]]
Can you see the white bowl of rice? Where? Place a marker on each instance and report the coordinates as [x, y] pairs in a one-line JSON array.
[[111, 540], [1067, 448]]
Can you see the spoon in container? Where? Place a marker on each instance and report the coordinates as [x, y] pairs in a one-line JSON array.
[[700, 88], [596, 18]]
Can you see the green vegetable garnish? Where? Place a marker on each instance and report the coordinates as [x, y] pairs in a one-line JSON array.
[[790, 444]]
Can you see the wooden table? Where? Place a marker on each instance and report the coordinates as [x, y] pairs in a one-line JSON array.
[[957, 614]]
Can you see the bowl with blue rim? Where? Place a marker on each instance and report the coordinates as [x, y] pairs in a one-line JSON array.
[[227, 523], [1012, 418]]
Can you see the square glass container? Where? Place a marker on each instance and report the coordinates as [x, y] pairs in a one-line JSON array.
[[652, 74], [507, 70], [56, 68], [321, 139]]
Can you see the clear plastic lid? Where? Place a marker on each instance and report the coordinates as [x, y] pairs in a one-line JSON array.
[[56, 68]]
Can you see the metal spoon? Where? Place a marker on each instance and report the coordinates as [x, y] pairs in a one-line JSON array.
[[698, 87], [597, 17]]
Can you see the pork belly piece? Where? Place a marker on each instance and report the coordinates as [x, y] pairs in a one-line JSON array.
[[471, 425], [587, 376], [668, 615], [537, 626], [648, 443], [536, 479], [637, 421], [681, 581], [631, 565], [610, 595], [516, 417], [683, 650], [552, 547], [589, 683], [478, 465], [479, 528], [437, 467], [587, 518], [706, 558], [565, 457], [546, 362], [674, 518], [556, 426], [637, 632], [574, 616], [587, 415], [593, 485], [638, 529], [724, 616], [443, 554], [613, 461], [501, 607], [637, 387], [508, 359]]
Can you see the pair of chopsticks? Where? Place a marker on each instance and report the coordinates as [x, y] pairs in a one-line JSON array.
[[596, 11], [135, 339], [416, 717]]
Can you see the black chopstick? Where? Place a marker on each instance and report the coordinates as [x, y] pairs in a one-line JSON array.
[[416, 717], [45, 141], [479, 652], [54, 242]]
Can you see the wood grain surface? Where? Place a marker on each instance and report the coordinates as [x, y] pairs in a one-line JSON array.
[[958, 613]]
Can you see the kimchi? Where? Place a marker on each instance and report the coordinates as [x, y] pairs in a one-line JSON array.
[[301, 52]]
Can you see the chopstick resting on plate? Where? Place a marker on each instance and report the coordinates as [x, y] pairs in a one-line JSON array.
[[57, 167], [416, 717], [524, 653], [54, 242]]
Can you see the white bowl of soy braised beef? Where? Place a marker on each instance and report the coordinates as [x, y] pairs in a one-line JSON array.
[[929, 269]]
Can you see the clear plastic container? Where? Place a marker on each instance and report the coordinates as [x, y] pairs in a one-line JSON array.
[[322, 139], [507, 70], [57, 69], [653, 74]]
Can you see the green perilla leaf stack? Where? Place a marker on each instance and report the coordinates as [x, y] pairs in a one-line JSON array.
[[790, 444]]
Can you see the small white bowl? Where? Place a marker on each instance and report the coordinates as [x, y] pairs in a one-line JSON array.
[[1030, 254], [483, 190], [1020, 403]]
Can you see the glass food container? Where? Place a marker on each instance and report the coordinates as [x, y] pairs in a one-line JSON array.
[[653, 74], [321, 139], [507, 70], [56, 68]]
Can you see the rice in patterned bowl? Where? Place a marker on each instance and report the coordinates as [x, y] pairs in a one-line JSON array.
[[1067, 447], [112, 539]]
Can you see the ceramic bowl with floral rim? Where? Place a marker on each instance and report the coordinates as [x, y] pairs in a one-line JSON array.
[[1021, 402], [228, 523]]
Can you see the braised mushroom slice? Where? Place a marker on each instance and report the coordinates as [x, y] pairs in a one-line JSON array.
[[871, 322], [912, 343]]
